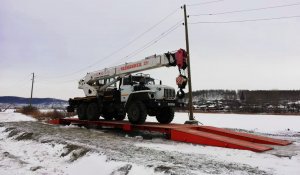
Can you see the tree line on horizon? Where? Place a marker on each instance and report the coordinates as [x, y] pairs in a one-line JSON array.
[[259, 97], [252, 101]]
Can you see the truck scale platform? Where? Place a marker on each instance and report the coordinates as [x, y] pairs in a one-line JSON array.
[[203, 135]]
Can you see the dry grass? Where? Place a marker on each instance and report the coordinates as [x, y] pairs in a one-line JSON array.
[[37, 114]]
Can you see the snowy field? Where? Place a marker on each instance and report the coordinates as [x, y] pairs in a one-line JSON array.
[[31, 147], [256, 123]]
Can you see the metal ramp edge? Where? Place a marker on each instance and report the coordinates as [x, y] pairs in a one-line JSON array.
[[190, 135], [243, 136]]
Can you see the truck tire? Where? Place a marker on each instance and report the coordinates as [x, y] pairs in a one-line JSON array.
[[119, 117], [70, 109], [137, 113], [108, 116], [93, 112], [165, 116], [81, 111]]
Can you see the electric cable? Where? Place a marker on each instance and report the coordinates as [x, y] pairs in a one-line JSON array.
[[57, 82], [152, 42], [246, 20], [247, 10], [119, 49], [20, 81], [203, 3], [147, 45]]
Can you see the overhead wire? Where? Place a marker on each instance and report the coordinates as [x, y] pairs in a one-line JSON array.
[[119, 49], [21, 81], [247, 10], [245, 20], [147, 45], [58, 82], [47, 81], [203, 3], [154, 41]]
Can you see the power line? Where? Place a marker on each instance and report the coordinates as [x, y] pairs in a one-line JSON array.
[[203, 3], [147, 45], [246, 20], [247, 10], [136, 52], [155, 40], [121, 48], [39, 80], [20, 81], [58, 82], [152, 42]]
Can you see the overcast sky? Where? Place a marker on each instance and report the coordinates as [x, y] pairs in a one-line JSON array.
[[61, 40]]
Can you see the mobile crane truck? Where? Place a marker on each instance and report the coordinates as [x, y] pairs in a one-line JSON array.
[[115, 91]]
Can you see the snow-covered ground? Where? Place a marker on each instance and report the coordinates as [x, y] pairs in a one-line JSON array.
[[10, 116], [21, 156], [256, 123], [30, 147], [31, 157]]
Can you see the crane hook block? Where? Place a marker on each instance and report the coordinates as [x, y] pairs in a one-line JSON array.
[[181, 61], [181, 81], [180, 94]]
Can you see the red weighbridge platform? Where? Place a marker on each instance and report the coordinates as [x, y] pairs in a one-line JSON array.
[[204, 135]]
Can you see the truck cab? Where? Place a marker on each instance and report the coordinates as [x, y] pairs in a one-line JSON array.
[[143, 82]]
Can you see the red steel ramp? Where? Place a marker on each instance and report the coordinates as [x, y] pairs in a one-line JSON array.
[[204, 135], [243, 136], [204, 138]]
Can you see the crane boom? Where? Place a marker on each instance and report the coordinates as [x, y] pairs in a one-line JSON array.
[[151, 62]]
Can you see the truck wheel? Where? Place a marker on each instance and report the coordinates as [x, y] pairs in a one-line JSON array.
[[70, 109], [108, 116], [93, 111], [165, 116], [137, 113], [81, 111], [120, 117]]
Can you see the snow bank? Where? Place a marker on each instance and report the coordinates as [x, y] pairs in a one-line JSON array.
[[267, 162], [10, 116], [95, 164], [21, 157], [32, 157]]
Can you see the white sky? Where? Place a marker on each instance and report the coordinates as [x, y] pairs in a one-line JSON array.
[[55, 38]]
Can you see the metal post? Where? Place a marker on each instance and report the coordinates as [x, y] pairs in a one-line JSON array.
[[31, 88], [191, 115]]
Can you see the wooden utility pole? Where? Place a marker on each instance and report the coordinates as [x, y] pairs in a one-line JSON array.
[[31, 88], [191, 115]]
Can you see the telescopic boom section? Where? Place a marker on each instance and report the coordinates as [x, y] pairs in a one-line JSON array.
[[151, 62]]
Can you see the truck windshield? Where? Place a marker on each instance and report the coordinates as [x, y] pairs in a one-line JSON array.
[[138, 79]]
